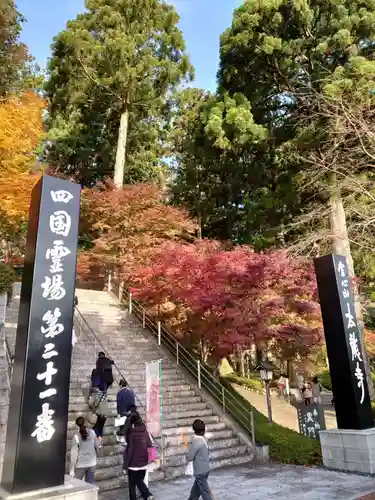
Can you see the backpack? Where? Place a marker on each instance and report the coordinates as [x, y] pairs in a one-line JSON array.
[[95, 400]]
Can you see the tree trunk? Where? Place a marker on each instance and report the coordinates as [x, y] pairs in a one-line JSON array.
[[289, 369], [341, 246], [118, 177], [199, 230], [241, 362]]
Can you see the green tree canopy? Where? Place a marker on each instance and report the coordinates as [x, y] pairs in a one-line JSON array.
[[111, 74], [276, 50], [17, 68]]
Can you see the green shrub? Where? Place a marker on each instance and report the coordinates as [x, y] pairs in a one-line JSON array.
[[286, 446], [7, 278], [254, 383], [325, 379]]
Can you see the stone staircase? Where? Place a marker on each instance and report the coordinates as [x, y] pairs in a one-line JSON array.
[[131, 347], [124, 339]]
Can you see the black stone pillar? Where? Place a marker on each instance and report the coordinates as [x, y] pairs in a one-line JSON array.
[[349, 384], [38, 415]]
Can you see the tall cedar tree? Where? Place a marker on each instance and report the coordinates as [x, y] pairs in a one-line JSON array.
[[277, 52], [13, 53], [17, 68], [215, 140], [119, 60]]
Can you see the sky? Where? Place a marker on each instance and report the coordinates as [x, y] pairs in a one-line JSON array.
[[202, 22]]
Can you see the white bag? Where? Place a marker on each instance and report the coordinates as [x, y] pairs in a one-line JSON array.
[[120, 421], [153, 466], [189, 469]]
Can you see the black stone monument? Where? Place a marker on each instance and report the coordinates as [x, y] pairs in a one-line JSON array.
[[311, 419], [349, 384], [38, 415]]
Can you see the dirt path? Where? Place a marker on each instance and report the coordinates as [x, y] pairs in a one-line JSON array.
[[282, 412]]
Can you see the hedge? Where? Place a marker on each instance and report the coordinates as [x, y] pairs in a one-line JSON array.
[[286, 446], [325, 379], [253, 383], [7, 278]]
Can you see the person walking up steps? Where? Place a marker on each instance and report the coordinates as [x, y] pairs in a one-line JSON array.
[[136, 458], [104, 370], [125, 399], [199, 454], [85, 446]]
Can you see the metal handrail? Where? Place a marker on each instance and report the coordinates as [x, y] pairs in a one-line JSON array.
[[230, 404], [9, 357], [97, 342]]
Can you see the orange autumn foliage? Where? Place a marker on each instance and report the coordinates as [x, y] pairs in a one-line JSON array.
[[21, 130]]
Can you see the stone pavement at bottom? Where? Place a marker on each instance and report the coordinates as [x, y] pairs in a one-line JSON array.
[[267, 482]]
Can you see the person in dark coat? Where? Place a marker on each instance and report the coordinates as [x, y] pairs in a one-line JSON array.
[[125, 399], [104, 369], [95, 381], [136, 458], [128, 423]]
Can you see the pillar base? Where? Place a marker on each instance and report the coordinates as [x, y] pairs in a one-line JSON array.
[[349, 450], [73, 489]]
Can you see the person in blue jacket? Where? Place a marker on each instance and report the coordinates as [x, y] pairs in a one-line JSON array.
[[125, 399]]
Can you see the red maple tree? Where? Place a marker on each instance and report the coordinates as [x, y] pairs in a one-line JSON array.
[[125, 227], [217, 299]]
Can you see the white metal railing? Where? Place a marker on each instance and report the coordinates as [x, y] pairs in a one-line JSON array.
[[230, 404]]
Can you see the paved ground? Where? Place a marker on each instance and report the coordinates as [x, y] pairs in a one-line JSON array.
[[282, 412], [267, 482]]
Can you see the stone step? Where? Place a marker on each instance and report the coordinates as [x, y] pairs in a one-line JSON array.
[[133, 378], [174, 460], [213, 425], [170, 413], [77, 382], [174, 443], [215, 463], [188, 398], [213, 430], [105, 451], [128, 365], [168, 409], [135, 368], [177, 423], [189, 413], [172, 452], [169, 399], [215, 443], [113, 478], [168, 392]]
